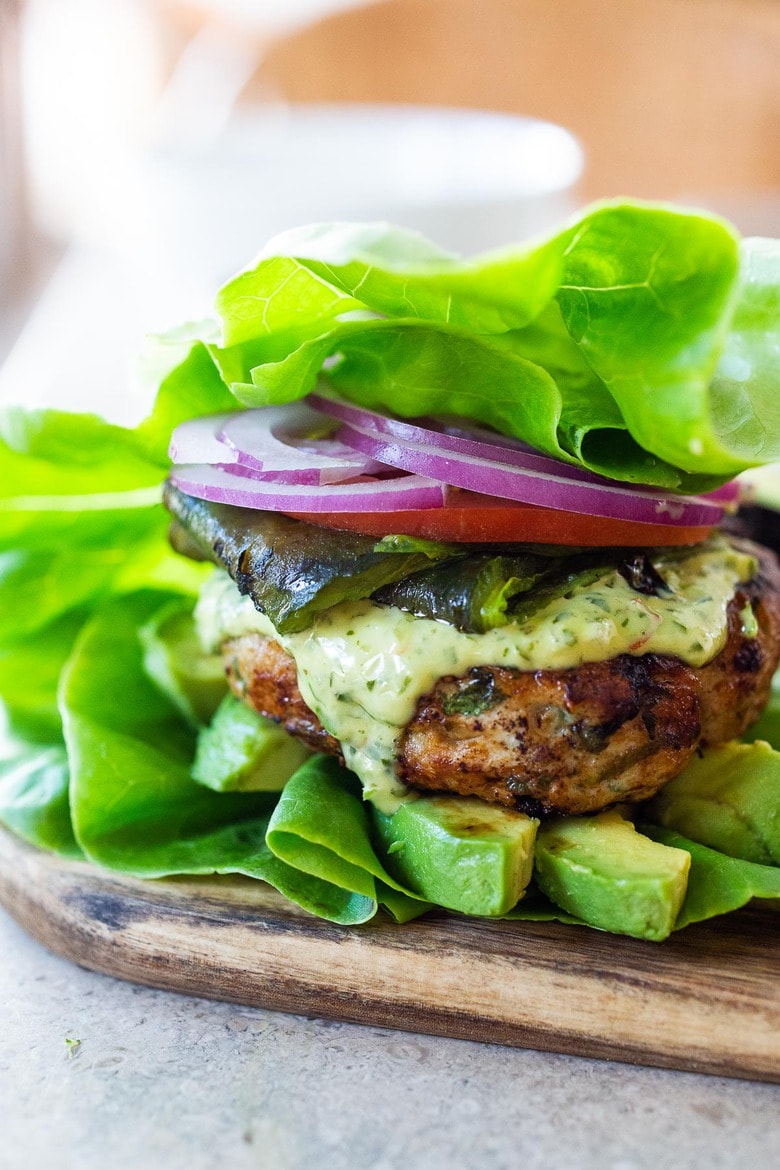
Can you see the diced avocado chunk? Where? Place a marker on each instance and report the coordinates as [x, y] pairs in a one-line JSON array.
[[727, 798], [242, 751], [175, 661], [612, 877], [460, 852]]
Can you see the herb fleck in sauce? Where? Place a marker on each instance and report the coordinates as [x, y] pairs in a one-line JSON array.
[[363, 667]]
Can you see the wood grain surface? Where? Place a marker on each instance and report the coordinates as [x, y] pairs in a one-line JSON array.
[[707, 1000]]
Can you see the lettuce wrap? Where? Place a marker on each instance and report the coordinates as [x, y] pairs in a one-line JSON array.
[[638, 342]]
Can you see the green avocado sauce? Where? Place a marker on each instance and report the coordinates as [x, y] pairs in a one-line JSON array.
[[362, 667]]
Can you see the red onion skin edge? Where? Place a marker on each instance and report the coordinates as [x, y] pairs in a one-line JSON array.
[[395, 435], [197, 441], [494, 478], [268, 451], [510, 450], [266, 440], [207, 482], [258, 456]]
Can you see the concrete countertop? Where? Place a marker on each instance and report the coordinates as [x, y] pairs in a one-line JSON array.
[[97, 1074]]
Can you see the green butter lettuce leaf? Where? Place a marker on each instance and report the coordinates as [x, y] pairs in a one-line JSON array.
[[87, 559], [280, 297], [317, 273], [634, 342], [34, 787], [299, 834], [80, 521], [188, 375], [745, 402], [135, 807], [36, 587], [409, 368], [132, 796], [336, 847], [50, 453], [717, 884], [650, 317], [73, 482], [30, 668], [590, 427]]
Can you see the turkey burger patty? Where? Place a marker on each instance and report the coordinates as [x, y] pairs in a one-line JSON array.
[[599, 690]]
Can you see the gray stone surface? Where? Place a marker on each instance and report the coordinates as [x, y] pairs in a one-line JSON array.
[[164, 1082]]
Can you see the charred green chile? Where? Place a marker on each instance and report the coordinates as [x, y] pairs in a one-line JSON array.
[[294, 571], [290, 569], [472, 594]]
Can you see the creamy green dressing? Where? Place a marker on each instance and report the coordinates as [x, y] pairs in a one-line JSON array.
[[362, 667]]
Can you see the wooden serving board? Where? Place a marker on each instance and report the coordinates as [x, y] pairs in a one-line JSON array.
[[707, 1000]]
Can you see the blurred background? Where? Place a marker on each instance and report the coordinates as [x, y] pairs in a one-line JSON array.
[[148, 148]]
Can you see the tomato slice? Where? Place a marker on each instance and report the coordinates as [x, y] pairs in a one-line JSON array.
[[474, 518]]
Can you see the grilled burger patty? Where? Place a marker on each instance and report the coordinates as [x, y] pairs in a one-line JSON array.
[[564, 741]]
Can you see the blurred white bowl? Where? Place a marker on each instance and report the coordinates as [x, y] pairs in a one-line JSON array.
[[469, 179]]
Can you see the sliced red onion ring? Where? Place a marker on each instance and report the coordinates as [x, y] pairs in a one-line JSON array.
[[305, 477], [476, 442], [463, 439], [271, 444], [276, 442], [207, 482], [267, 458], [197, 441], [728, 493], [496, 477]]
